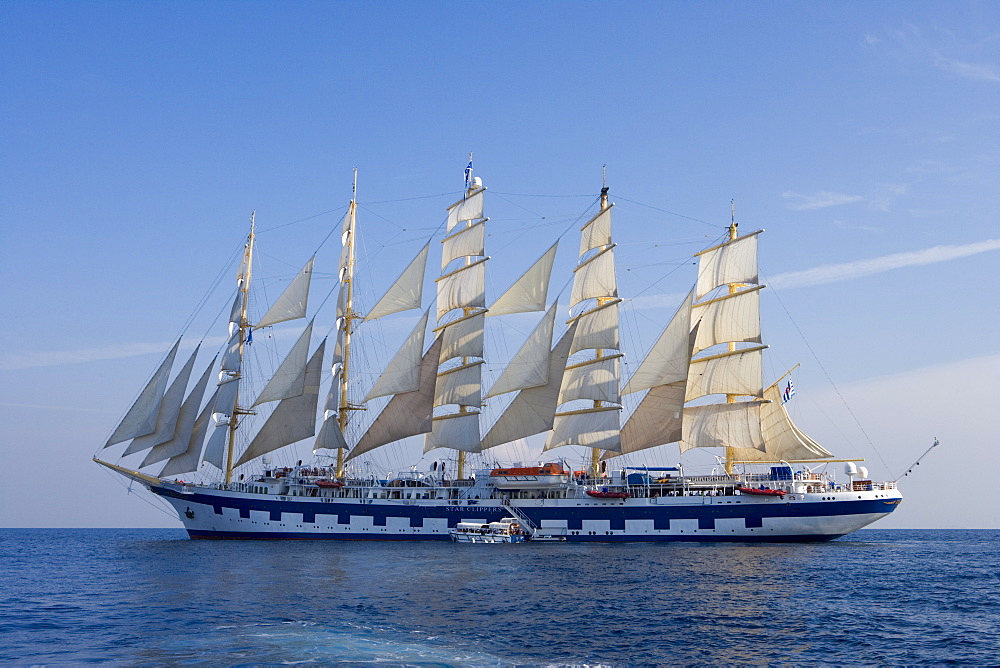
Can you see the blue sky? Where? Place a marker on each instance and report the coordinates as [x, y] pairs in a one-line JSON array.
[[135, 139]]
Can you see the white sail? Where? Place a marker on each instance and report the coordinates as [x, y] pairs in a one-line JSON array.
[[406, 414], [330, 436], [533, 410], [530, 365], [289, 380], [141, 417], [236, 311], [730, 318], [593, 379], [461, 385], [292, 303], [470, 208], [462, 288], [782, 439], [734, 425], [529, 292], [181, 438], [591, 428], [459, 431], [345, 238], [226, 401], [231, 358], [739, 372], [190, 459], [463, 337], [293, 419], [732, 262], [595, 277], [668, 359], [597, 231], [403, 372], [406, 293], [467, 241], [657, 420], [215, 449], [170, 408], [597, 328]]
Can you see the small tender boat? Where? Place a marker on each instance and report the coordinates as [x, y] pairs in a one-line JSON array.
[[329, 484], [762, 492], [507, 530], [605, 494]]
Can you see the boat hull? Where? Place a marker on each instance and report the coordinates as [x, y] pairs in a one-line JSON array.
[[222, 514]]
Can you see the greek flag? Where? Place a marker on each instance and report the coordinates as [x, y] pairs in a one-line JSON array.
[[468, 175], [789, 392]]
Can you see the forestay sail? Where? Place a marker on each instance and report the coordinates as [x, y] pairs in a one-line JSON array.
[[170, 408], [141, 417], [185, 423]]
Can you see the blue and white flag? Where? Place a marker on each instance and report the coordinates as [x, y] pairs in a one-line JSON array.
[[468, 175], [789, 392]]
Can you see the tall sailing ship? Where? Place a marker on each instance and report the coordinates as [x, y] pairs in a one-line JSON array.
[[701, 386]]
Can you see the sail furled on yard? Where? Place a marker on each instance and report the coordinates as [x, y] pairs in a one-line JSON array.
[[294, 418], [141, 417], [530, 291], [292, 303], [170, 408], [406, 292], [182, 434], [594, 379], [289, 380], [407, 413], [459, 383]]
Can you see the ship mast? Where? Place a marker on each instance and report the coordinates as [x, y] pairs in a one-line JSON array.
[[595, 453], [465, 311], [244, 325], [344, 407], [733, 289]]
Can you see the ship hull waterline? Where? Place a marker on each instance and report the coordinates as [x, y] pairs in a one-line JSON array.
[[221, 514]]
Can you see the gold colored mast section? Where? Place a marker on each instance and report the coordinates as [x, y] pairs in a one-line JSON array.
[[344, 407], [595, 453], [243, 325], [733, 288], [460, 473]]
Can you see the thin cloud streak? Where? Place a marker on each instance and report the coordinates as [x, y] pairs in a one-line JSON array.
[[832, 273], [973, 71], [819, 200]]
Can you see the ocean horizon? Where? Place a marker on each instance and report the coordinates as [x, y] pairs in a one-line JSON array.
[[152, 596]]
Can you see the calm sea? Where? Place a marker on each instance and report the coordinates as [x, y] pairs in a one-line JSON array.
[[152, 597]]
